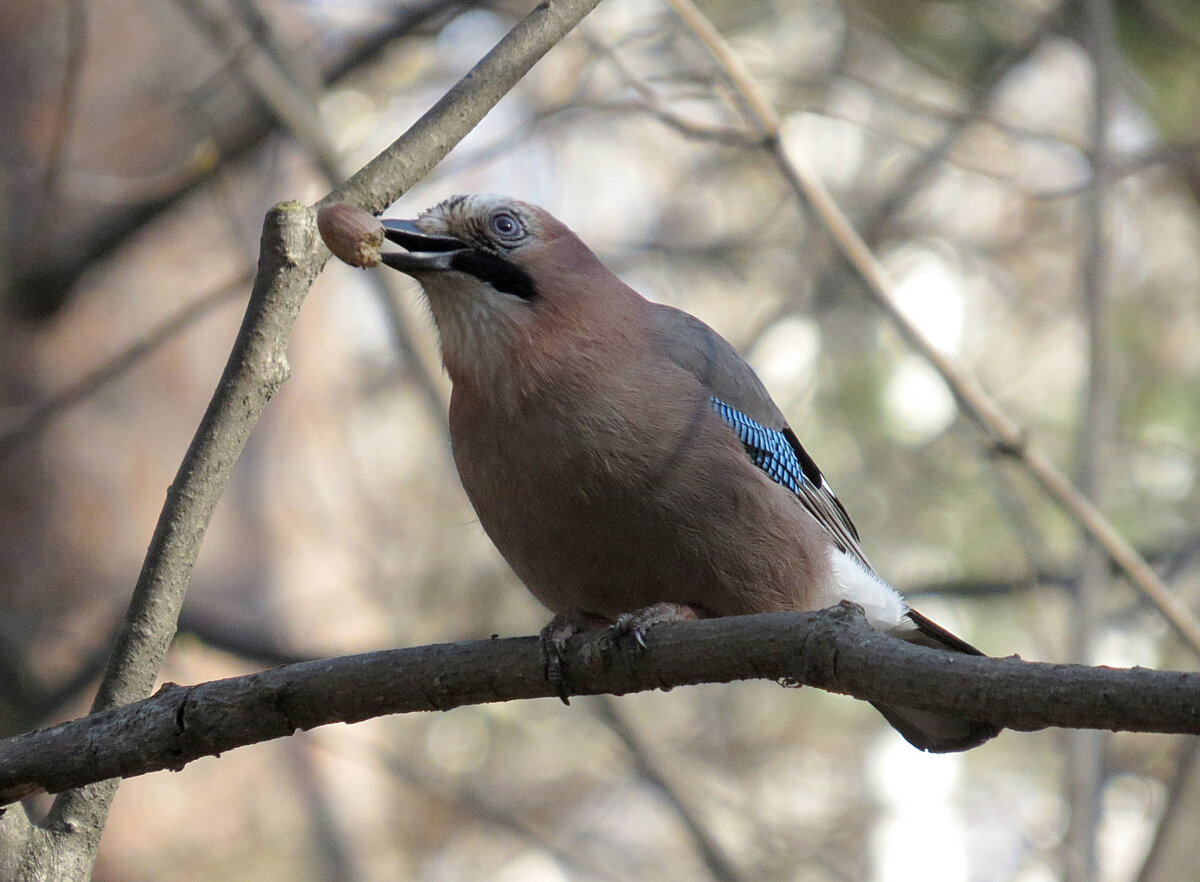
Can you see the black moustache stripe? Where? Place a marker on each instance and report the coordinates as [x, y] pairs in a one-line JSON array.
[[501, 274]]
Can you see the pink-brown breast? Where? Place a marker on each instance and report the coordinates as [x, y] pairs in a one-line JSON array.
[[615, 486]]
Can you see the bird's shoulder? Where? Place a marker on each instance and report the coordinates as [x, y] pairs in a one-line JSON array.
[[714, 363], [739, 397]]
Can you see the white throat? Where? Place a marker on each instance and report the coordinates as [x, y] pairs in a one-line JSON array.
[[478, 326]]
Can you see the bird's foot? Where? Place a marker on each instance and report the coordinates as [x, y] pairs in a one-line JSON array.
[[553, 644], [637, 623]]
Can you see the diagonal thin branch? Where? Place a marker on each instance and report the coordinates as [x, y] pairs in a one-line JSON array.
[[1156, 864], [719, 865], [262, 74], [476, 801], [1005, 435], [31, 280], [291, 256], [41, 415], [64, 123], [269, 82]]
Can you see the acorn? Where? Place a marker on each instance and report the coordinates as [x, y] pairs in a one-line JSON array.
[[353, 234]]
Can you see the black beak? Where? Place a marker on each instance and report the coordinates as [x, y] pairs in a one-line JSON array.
[[423, 251]]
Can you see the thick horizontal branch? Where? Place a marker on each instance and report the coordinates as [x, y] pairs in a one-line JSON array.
[[834, 650]]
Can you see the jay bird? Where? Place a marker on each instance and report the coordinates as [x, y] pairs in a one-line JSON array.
[[624, 459]]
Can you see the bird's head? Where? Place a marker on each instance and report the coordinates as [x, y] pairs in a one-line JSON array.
[[507, 283]]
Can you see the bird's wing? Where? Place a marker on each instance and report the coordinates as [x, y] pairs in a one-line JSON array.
[[710, 358], [741, 400]]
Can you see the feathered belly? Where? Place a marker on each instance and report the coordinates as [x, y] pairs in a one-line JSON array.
[[610, 528]]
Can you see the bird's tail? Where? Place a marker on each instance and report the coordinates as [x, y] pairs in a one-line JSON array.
[[931, 730]]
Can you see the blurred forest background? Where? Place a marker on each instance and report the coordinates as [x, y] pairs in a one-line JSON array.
[[1027, 170]]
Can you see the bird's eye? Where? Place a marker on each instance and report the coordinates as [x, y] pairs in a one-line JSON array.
[[506, 226]]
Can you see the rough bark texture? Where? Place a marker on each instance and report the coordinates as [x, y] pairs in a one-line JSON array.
[[63, 846], [834, 650]]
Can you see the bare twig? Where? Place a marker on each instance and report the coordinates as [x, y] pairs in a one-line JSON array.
[[64, 122], [64, 846], [648, 100], [41, 415], [1085, 758], [1001, 431], [1180, 795], [719, 865], [276, 89], [31, 279], [278, 93], [834, 649], [477, 802], [919, 172]]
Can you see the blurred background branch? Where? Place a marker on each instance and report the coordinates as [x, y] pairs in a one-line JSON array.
[[961, 142], [26, 425], [1006, 436], [64, 844]]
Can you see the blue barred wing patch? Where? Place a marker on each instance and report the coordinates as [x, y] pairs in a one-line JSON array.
[[785, 462], [768, 449]]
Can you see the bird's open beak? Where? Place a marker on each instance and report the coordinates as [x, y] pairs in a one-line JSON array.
[[423, 251]]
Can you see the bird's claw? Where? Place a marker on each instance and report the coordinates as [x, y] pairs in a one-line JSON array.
[[552, 642], [628, 624], [637, 623]]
